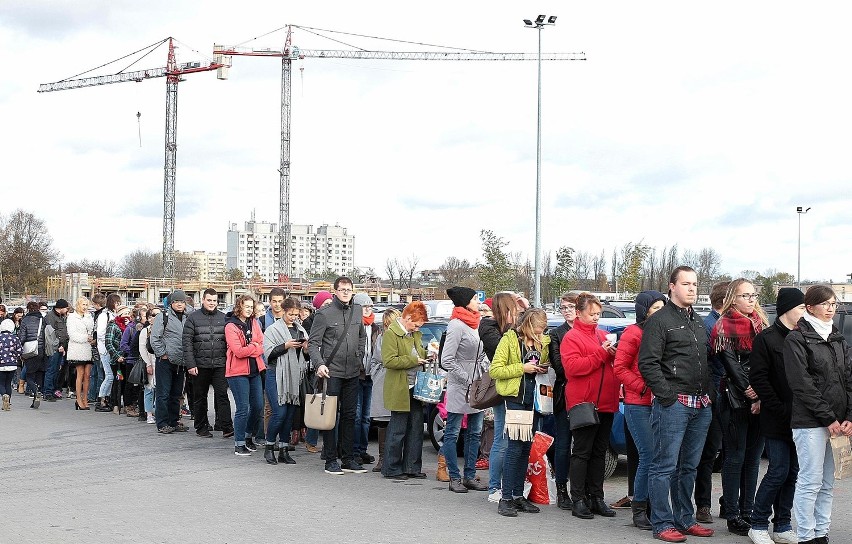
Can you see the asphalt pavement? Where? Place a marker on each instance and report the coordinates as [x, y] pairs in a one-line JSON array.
[[73, 476]]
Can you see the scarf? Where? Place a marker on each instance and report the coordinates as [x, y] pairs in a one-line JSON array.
[[290, 367], [467, 317], [122, 322], [822, 328], [369, 319], [735, 331]]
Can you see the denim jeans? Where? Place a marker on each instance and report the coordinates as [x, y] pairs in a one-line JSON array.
[[51, 373], [339, 441], [704, 474], [169, 378], [281, 420], [471, 443], [96, 378], [679, 433], [248, 400], [106, 385], [311, 437], [743, 447], [404, 441], [517, 458], [362, 416], [777, 487], [497, 455], [638, 419], [149, 398], [815, 485], [562, 448], [588, 458]]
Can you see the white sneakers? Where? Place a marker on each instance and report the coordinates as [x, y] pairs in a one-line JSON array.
[[787, 537], [495, 496], [760, 536], [151, 418]]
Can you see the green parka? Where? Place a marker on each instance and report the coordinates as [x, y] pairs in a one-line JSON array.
[[398, 357], [507, 367]]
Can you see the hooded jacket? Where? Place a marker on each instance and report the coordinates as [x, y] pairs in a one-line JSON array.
[[58, 323], [338, 320], [204, 343], [169, 341], [626, 365], [507, 368], [820, 376]]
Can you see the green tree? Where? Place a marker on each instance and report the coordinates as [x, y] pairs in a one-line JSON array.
[[234, 274], [563, 275], [495, 273], [630, 266]]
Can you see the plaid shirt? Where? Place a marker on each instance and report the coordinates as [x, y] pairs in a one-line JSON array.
[[694, 401], [113, 341]]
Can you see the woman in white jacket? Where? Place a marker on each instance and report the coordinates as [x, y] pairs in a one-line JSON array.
[[150, 362], [80, 327]]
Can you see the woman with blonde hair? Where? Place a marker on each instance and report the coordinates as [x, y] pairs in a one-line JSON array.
[[522, 353], [741, 319], [80, 340]]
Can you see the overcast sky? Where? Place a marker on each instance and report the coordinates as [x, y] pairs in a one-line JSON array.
[[696, 123]]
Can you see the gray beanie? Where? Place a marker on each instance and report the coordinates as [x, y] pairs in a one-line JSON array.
[[362, 299], [177, 296]]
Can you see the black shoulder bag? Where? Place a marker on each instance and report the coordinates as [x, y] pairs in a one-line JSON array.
[[586, 413]]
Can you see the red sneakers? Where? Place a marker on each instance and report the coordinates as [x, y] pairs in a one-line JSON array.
[[698, 530], [670, 535], [482, 463]]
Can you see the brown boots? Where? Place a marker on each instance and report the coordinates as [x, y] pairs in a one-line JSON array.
[[382, 432], [442, 474], [21, 386]]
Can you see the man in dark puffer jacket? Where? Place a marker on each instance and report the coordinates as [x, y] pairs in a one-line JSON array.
[[204, 353]]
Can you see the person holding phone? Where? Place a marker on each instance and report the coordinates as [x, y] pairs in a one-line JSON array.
[[587, 358]]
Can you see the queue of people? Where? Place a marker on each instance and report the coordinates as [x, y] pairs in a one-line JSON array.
[[687, 384]]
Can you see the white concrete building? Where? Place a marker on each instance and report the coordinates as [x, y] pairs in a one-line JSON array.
[[254, 249]]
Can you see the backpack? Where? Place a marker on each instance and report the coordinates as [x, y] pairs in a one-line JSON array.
[[165, 314]]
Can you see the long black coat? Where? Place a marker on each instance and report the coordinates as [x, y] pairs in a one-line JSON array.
[[769, 381], [204, 340], [32, 328], [820, 375]]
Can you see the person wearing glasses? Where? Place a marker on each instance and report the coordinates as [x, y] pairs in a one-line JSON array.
[[336, 349], [562, 444], [741, 320], [816, 361]]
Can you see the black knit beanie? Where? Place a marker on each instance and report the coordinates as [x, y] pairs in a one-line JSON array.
[[788, 298], [461, 296]]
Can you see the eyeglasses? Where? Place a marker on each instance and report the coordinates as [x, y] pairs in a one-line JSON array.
[[567, 308], [829, 305], [344, 291], [748, 296]]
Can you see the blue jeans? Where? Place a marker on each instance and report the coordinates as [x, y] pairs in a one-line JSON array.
[[248, 400], [679, 434], [106, 385], [497, 456], [362, 416], [311, 437], [562, 448], [777, 487], [51, 372], [281, 421], [96, 378], [169, 379], [149, 398], [815, 485], [743, 446], [472, 434], [517, 458], [639, 422]]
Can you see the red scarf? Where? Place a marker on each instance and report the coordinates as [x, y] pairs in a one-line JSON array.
[[735, 331], [122, 322], [368, 320], [471, 319]]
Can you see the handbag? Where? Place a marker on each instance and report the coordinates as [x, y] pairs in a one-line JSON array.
[[585, 414], [321, 409], [138, 373], [428, 385], [482, 390], [841, 449], [519, 425], [30, 349]]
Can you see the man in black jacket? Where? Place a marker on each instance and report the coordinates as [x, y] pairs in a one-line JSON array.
[[56, 319], [673, 361], [340, 323], [204, 353]]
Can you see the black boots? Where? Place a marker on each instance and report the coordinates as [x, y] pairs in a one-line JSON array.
[[103, 405], [284, 455], [580, 509], [269, 454], [600, 507], [563, 500], [640, 515]]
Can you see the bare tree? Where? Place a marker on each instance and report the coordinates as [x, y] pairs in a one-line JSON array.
[[26, 252], [580, 270], [457, 271], [99, 269], [392, 270], [407, 270], [599, 272], [141, 264]]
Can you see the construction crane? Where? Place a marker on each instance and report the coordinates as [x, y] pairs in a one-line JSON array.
[[222, 55], [173, 73]]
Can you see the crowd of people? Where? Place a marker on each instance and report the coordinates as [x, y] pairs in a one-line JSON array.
[[691, 387]]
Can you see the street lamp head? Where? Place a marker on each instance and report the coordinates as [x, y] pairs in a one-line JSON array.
[[799, 209], [551, 20], [540, 19], [528, 22]]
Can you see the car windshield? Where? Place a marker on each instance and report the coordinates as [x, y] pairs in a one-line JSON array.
[[432, 331]]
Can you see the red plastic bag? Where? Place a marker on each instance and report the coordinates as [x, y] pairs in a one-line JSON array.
[[537, 470]]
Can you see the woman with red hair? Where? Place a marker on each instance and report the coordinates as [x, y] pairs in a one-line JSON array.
[[402, 355]]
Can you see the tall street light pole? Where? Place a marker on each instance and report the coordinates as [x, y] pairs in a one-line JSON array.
[[538, 24], [801, 212]]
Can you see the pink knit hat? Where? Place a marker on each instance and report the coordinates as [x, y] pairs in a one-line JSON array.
[[321, 297]]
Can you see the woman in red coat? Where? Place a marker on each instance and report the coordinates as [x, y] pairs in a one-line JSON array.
[[587, 358], [637, 401], [243, 366]]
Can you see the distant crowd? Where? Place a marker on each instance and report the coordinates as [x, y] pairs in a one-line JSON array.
[[692, 389]]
